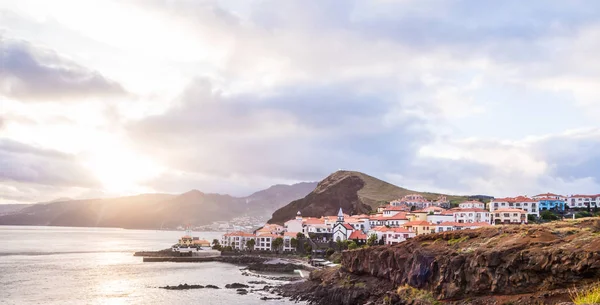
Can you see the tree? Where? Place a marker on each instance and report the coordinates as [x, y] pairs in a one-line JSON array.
[[312, 235], [227, 249], [300, 235], [547, 215], [531, 218], [329, 252], [215, 242], [216, 245], [294, 243], [372, 240], [250, 243], [340, 245], [352, 245], [307, 248], [277, 243]]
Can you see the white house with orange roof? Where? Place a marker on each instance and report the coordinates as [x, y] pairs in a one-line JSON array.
[[509, 216], [526, 204], [237, 240], [392, 236], [397, 220], [583, 201], [471, 215], [550, 196], [413, 200], [393, 210], [439, 218]]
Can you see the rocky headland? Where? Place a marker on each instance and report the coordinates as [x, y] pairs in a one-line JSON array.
[[532, 264]]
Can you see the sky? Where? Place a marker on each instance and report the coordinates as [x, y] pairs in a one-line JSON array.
[[108, 98]]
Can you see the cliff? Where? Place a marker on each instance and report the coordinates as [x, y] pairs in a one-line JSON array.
[[534, 264], [354, 192]]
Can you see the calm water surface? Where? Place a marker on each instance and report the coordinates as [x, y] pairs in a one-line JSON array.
[[59, 265]]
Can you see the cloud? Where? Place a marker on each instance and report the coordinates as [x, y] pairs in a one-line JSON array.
[[27, 164], [294, 133], [31, 73]]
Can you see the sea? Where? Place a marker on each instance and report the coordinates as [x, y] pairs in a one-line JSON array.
[[64, 265]]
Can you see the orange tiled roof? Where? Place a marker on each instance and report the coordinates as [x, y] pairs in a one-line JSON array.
[[418, 223], [509, 210], [358, 235], [239, 233]]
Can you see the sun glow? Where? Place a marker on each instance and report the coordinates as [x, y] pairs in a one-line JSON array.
[[121, 171]]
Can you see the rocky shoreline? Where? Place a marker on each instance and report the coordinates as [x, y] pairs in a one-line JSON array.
[[534, 264]]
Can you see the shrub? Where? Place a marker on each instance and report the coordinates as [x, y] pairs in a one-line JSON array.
[[352, 245], [455, 241], [586, 296], [329, 252], [548, 215]]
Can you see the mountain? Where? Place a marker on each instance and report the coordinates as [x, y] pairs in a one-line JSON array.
[[12, 208], [153, 211], [354, 192]]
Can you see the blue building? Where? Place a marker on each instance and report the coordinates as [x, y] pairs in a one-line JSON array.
[[551, 204]]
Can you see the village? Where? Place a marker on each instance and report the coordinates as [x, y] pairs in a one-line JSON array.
[[403, 219]]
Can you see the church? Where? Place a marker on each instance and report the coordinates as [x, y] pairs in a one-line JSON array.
[[342, 230]]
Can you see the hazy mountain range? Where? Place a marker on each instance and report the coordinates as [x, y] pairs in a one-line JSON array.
[[150, 211]]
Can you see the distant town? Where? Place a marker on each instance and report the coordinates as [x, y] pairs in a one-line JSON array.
[[405, 218]]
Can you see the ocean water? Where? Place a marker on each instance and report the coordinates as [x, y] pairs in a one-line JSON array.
[[60, 265]]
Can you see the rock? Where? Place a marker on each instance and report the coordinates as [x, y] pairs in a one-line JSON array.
[[267, 298], [236, 286], [182, 287], [242, 291], [257, 282], [211, 286]]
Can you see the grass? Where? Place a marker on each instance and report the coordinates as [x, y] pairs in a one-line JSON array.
[[590, 295], [410, 293], [455, 241]]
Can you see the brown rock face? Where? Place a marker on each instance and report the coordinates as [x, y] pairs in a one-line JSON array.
[[500, 260], [332, 193]]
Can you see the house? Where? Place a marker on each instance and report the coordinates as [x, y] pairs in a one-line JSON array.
[[359, 237], [420, 227], [393, 236], [294, 225], [550, 195], [393, 210], [396, 220], [265, 242], [287, 241], [470, 215], [456, 226], [551, 204], [341, 230], [509, 216], [528, 205], [473, 204], [415, 200], [197, 242], [237, 240], [437, 219], [583, 201], [377, 220], [270, 229]]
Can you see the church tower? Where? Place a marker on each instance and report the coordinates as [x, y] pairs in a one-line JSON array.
[[340, 216], [298, 216]]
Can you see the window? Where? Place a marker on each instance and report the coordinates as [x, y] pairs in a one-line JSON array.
[[524, 204], [503, 204], [515, 215], [506, 215]]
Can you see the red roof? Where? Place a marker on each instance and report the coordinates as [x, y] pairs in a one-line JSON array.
[[378, 217], [401, 230], [515, 199], [547, 195], [469, 210], [399, 216], [584, 196], [509, 210], [348, 226], [358, 235], [418, 223], [395, 208], [290, 234]]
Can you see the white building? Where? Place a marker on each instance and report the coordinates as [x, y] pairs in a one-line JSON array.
[[439, 218], [294, 225], [237, 240], [550, 196], [456, 226], [471, 215], [509, 216], [528, 205], [265, 242], [341, 230], [583, 201], [472, 205], [287, 241]]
